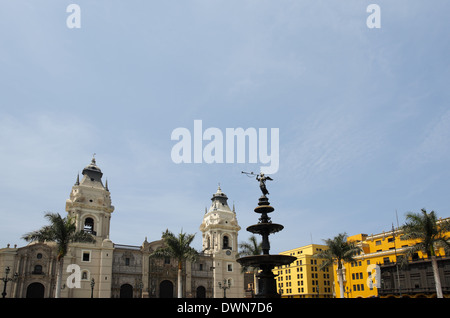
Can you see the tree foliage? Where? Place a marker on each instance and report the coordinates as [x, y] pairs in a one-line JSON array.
[[339, 251], [428, 233], [61, 231]]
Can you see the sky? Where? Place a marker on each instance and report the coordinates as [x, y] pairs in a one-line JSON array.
[[363, 113]]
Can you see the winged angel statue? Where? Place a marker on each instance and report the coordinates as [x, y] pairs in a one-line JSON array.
[[262, 181]]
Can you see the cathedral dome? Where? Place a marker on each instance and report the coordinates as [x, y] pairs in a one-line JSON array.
[[92, 166], [219, 201], [92, 171]]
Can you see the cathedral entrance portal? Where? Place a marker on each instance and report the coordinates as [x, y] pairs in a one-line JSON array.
[[35, 290], [201, 292], [126, 291], [166, 289]]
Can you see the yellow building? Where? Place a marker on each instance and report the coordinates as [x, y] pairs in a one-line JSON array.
[[302, 278], [377, 249]]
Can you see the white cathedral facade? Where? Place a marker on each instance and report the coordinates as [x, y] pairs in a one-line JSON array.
[[109, 270]]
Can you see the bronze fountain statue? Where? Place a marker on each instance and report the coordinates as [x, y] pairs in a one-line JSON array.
[[265, 262]]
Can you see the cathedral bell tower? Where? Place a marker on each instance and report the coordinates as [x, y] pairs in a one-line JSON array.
[[220, 239], [90, 202]]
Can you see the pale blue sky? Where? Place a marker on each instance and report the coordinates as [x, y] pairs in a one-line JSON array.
[[363, 114]]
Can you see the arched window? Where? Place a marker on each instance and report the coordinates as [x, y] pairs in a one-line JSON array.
[[89, 226], [226, 243], [208, 243], [37, 269], [84, 275]]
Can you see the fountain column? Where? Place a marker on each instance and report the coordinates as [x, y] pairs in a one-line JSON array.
[[267, 285]]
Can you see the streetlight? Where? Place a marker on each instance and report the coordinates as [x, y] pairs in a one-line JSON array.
[[225, 286], [141, 286], [92, 287], [6, 280]]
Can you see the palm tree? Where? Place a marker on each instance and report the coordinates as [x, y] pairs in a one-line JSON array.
[[178, 248], [252, 247], [62, 231], [339, 251], [430, 235]]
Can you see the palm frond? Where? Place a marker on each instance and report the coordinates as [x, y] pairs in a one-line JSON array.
[[252, 247], [177, 247], [162, 253], [61, 230], [82, 237], [424, 229], [44, 234], [339, 250]]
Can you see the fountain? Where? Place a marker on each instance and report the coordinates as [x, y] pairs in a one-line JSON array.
[[267, 287]]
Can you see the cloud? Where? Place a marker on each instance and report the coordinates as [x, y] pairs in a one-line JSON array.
[[432, 144], [37, 152], [329, 144], [39, 144]]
